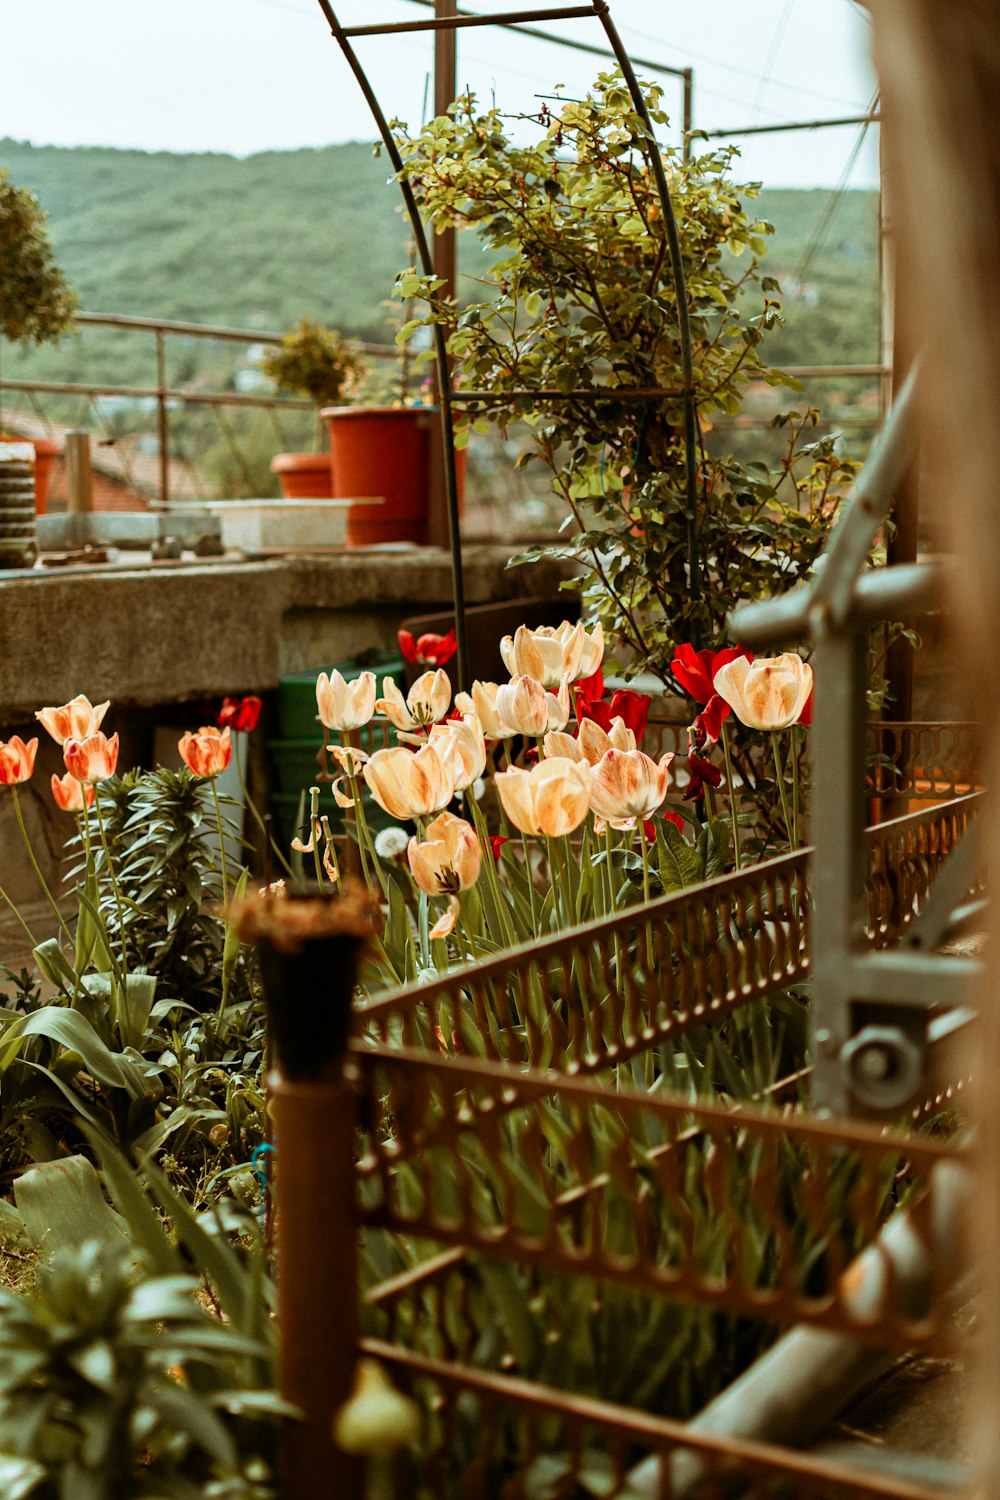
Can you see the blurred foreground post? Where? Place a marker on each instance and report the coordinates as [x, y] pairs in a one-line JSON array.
[[939, 70], [308, 946]]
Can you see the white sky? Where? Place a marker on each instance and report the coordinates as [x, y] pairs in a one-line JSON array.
[[243, 76]]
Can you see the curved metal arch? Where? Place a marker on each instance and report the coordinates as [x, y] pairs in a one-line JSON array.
[[601, 10]]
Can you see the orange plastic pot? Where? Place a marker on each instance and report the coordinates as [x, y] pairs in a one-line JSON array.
[[304, 476], [384, 452]]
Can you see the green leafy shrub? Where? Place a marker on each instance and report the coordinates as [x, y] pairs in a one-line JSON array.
[[36, 300], [578, 301]]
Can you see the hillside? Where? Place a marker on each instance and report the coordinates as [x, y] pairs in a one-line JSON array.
[[257, 242]]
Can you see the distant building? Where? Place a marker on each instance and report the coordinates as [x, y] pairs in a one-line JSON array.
[[126, 471]]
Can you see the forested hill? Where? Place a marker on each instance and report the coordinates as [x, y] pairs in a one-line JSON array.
[[260, 241]]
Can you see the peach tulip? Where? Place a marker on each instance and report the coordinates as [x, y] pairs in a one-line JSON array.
[[76, 720], [551, 799], [345, 705], [626, 785], [462, 747], [94, 758], [483, 703], [17, 760], [552, 653], [409, 783], [208, 752], [591, 741], [427, 701], [449, 859], [769, 693], [70, 794], [529, 709]]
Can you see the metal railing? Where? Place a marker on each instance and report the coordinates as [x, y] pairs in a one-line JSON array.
[[172, 403], [166, 399]]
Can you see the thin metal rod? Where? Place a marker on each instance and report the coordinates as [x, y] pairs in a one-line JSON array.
[[151, 392], [591, 393], [440, 346], [791, 125], [680, 288], [574, 45], [455, 23]]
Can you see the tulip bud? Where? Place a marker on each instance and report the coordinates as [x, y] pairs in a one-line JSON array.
[[208, 752], [345, 705]]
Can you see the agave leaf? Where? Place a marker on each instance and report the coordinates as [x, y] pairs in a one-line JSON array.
[[181, 1408], [73, 1031], [61, 1204]]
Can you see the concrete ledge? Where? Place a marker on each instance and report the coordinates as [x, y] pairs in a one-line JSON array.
[[172, 632]]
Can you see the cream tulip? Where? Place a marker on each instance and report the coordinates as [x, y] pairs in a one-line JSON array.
[[409, 783], [345, 705], [769, 693], [593, 651], [551, 799], [483, 703], [530, 709], [626, 785], [461, 745], [427, 701], [549, 655], [595, 742], [449, 859], [76, 720]]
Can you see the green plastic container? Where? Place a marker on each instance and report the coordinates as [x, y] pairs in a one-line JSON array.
[[297, 692]]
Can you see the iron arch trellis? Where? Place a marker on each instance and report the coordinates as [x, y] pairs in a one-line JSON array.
[[599, 9]]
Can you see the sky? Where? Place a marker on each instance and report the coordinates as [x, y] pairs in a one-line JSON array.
[[243, 76]]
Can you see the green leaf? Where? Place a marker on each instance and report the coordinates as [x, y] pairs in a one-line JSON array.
[[678, 864], [61, 1204]]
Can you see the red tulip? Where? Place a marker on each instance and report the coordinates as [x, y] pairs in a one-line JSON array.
[[428, 650], [70, 795], [627, 705], [497, 842], [695, 670], [649, 824], [591, 689], [92, 759], [702, 773], [208, 752], [239, 713], [708, 724], [17, 760], [806, 716]]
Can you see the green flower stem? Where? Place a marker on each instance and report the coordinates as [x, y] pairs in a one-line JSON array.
[[85, 825], [27, 930], [112, 877], [34, 865], [261, 823], [607, 867], [781, 788], [531, 885], [793, 733], [361, 825], [467, 926], [732, 798], [644, 843], [492, 878], [555, 875], [222, 842]]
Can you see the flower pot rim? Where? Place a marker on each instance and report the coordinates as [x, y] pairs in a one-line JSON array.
[[380, 411], [284, 463]]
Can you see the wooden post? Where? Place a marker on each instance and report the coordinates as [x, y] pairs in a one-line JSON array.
[[79, 490], [314, 1128], [445, 70], [939, 74]]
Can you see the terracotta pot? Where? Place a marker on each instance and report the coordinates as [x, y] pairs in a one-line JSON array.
[[384, 451], [46, 453], [304, 476]]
